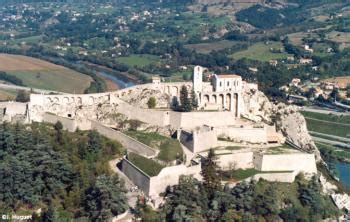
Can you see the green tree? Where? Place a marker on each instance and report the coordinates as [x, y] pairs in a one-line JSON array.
[[185, 100], [194, 100], [105, 199], [186, 201], [58, 127], [152, 103], [22, 96], [211, 177], [175, 103]]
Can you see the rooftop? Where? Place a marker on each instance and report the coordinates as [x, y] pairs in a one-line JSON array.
[[228, 76]]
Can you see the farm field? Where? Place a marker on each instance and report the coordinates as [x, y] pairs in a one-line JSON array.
[[206, 48], [340, 37], [37, 73], [341, 80], [138, 60], [7, 94], [262, 52], [328, 124]]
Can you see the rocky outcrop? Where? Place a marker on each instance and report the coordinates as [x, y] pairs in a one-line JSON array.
[[341, 200], [256, 105], [293, 125], [140, 98]]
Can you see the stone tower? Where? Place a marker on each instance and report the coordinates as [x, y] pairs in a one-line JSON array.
[[198, 79]]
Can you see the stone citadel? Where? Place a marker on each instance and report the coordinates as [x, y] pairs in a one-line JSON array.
[[231, 113]]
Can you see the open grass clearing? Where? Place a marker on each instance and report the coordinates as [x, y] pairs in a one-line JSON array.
[[241, 174], [7, 94], [138, 60], [328, 128], [170, 149], [206, 48], [38, 73], [148, 166], [262, 52], [327, 117], [339, 37], [340, 80]]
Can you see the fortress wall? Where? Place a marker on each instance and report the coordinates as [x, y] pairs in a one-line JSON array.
[[252, 135], [194, 119], [276, 177], [128, 143], [300, 162], [136, 175], [68, 124], [257, 160], [153, 117], [186, 139], [242, 160], [204, 140], [169, 176]]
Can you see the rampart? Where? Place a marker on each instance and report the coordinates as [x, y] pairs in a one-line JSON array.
[[300, 162], [128, 143], [153, 186]]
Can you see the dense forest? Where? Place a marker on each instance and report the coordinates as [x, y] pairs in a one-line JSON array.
[[65, 174]]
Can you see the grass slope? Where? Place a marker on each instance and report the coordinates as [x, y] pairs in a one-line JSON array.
[[37, 73], [138, 60], [330, 127], [170, 149], [261, 51], [150, 167]]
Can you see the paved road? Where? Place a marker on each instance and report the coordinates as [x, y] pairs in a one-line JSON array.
[[335, 143], [324, 111], [15, 87]]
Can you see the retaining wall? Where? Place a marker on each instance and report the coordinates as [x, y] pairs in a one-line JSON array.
[[300, 162], [249, 134], [287, 177], [128, 142], [83, 124], [169, 176], [136, 175], [242, 160]]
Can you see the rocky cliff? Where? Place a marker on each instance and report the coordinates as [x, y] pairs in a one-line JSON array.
[[287, 118], [293, 125]]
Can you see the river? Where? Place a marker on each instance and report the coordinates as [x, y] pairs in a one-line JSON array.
[[122, 83], [344, 173]]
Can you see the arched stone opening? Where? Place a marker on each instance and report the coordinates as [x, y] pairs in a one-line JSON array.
[[221, 100], [206, 98], [228, 101], [214, 99], [235, 99], [174, 91]]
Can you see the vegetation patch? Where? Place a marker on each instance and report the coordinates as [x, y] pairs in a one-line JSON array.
[[327, 117], [206, 48], [170, 149], [60, 172], [262, 52], [150, 167], [138, 60], [37, 73], [328, 128]]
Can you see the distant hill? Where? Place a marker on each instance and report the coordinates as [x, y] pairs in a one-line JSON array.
[[211, 2]]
